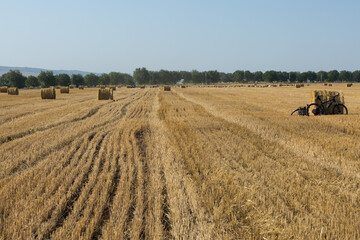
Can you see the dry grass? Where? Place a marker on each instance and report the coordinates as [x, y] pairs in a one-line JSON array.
[[205, 163]]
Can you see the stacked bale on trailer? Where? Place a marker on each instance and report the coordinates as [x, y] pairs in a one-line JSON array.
[[64, 89], [48, 93], [105, 94], [4, 89], [13, 91], [326, 96], [167, 88]]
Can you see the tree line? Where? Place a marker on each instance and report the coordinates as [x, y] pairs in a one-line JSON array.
[[14, 78]]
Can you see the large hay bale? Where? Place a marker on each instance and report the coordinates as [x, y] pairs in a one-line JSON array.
[[64, 89], [48, 93], [167, 88], [326, 96], [4, 89], [105, 94], [13, 91], [349, 84]]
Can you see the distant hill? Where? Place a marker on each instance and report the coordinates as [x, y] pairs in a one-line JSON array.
[[26, 71]]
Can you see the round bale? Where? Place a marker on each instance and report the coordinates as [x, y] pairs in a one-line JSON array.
[[13, 91], [48, 93], [64, 89], [167, 88], [105, 94], [3, 89]]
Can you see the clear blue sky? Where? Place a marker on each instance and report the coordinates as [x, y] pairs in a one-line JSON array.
[[104, 36]]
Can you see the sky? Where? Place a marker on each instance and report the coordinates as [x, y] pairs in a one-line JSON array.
[[255, 35]]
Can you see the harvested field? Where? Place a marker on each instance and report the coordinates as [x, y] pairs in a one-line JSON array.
[[194, 163]]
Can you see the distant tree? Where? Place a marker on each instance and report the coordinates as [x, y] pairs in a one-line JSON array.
[[333, 76], [226, 77], [128, 79], [91, 80], [47, 79], [321, 76], [13, 78], [77, 79], [32, 81], [270, 76], [258, 76], [345, 76], [104, 79], [212, 76], [356, 76], [63, 79], [310, 75], [238, 76], [141, 76], [197, 77]]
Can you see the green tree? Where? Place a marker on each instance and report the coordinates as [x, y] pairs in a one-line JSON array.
[[47, 79], [238, 76], [226, 77], [63, 79], [321, 76], [258, 76], [212, 76], [91, 80], [141, 76], [32, 81], [333, 76], [77, 79], [13, 78], [356, 76], [270, 76], [104, 79], [197, 77], [345, 76]]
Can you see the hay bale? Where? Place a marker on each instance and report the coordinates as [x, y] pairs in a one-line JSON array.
[[167, 88], [349, 85], [71, 86], [31, 87], [13, 91], [128, 86], [325, 84], [81, 87], [113, 87], [65, 90], [325, 96], [101, 86], [182, 86], [57, 87], [4, 89], [142, 86], [48, 93], [298, 85], [302, 85], [105, 94], [330, 85]]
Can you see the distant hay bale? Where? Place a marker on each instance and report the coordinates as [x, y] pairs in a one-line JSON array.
[[48, 93], [105, 94], [113, 87], [298, 85], [81, 87], [4, 89], [325, 84], [64, 89], [101, 86], [330, 85], [142, 86], [326, 96], [182, 86], [31, 87], [302, 85], [167, 88], [13, 91], [71, 86], [349, 84], [128, 86]]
